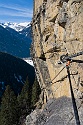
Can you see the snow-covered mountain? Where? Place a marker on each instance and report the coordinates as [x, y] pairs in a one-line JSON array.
[[15, 39], [15, 61], [16, 26]]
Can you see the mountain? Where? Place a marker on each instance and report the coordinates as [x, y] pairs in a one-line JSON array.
[[27, 32], [13, 72], [15, 43], [16, 26]]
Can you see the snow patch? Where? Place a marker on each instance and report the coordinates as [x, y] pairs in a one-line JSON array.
[[18, 78], [16, 26], [29, 61], [2, 85]]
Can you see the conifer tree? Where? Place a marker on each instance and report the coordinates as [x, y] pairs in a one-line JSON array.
[[9, 113], [24, 99], [35, 92]]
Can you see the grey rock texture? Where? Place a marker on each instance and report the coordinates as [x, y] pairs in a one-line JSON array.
[[56, 112]]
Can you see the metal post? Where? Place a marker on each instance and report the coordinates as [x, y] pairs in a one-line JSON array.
[[73, 99]]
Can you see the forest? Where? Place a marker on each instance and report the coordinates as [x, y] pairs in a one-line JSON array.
[[15, 108]]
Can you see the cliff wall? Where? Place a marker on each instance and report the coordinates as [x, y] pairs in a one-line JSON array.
[[58, 30]]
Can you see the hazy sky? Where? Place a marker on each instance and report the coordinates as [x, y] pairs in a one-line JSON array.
[[16, 10]]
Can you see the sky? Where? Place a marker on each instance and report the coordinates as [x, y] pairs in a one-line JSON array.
[[16, 10]]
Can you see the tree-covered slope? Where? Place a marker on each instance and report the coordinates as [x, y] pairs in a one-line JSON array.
[[14, 71], [14, 43]]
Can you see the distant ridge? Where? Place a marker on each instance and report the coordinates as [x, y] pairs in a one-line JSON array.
[[16, 26]]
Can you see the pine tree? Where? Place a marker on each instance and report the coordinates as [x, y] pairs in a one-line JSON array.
[[35, 92], [24, 99], [9, 113]]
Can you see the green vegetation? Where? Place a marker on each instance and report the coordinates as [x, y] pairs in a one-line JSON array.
[[24, 99], [15, 43], [13, 72], [13, 109], [9, 113], [35, 92]]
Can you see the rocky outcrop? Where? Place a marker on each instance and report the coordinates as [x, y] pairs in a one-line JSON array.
[[57, 30]]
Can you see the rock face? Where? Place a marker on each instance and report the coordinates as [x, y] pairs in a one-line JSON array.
[[57, 30]]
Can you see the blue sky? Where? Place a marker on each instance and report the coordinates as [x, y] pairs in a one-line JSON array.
[[16, 10]]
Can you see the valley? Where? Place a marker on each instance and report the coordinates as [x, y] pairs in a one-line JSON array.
[[15, 61]]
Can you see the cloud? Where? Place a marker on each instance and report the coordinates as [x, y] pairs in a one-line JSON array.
[[15, 7], [15, 10], [19, 14], [14, 19]]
